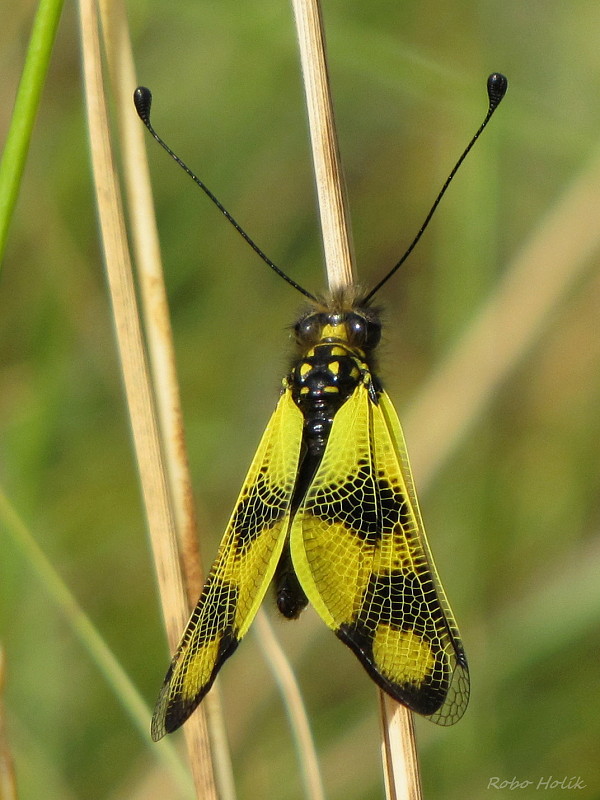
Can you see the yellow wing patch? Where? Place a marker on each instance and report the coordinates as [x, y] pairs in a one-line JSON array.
[[241, 573], [361, 555]]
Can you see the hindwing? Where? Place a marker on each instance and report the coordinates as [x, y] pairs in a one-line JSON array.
[[361, 555], [241, 573]]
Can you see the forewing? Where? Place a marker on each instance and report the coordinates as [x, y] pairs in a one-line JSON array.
[[241, 573], [361, 555]]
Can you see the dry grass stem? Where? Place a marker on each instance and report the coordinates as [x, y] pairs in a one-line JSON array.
[[136, 376], [155, 308], [401, 775], [333, 206], [398, 740], [159, 336]]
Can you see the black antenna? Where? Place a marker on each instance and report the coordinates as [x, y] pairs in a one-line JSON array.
[[497, 84], [142, 98]]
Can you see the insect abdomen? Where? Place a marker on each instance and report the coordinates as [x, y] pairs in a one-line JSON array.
[[321, 382]]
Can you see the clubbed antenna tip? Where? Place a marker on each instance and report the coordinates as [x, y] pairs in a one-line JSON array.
[[497, 84], [142, 99]]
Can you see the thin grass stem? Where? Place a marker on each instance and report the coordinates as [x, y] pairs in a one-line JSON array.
[[402, 779], [331, 190], [25, 110], [288, 685], [157, 323], [138, 386], [89, 636], [161, 350]]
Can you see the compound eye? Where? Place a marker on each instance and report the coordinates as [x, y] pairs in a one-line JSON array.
[[357, 330], [363, 332], [307, 329]]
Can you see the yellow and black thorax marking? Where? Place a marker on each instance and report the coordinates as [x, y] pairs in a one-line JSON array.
[[336, 352]]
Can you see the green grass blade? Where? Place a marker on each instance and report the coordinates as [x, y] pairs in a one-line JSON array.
[[26, 105], [90, 638]]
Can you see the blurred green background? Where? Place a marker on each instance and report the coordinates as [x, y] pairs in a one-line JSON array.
[[512, 511]]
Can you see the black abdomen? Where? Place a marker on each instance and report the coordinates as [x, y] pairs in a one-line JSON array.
[[321, 382]]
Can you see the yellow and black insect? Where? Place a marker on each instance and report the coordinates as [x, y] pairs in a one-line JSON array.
[[328, 512]]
